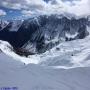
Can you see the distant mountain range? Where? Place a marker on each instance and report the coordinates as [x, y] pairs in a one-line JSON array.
[[41, 33]]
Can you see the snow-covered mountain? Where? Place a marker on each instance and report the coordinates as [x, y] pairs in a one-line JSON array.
[[12, 25], [3, 24], [54, 70], [70, 54], [41, 33], [64, 63]]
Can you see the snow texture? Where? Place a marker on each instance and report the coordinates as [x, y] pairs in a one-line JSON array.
[[64, 67], [35, 77]]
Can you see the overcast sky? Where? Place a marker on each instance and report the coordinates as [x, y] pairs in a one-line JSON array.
[[15, 9]]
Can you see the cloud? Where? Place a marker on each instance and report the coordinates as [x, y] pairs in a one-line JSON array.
[[22, 4], [80, 8], [2, 12], [30, 7], [27, 12], [11, 4]]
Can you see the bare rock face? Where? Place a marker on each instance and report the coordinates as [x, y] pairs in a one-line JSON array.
[[39, 34]]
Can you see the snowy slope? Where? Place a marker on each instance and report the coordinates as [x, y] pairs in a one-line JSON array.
[[3, 24], [35, 77], [64, 67], [69, 54], [6, 48], [15, 25]]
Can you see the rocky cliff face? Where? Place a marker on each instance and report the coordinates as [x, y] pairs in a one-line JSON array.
[[41, 33]]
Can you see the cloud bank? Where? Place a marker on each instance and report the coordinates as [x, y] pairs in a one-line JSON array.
[[31, 7], [2, 12]]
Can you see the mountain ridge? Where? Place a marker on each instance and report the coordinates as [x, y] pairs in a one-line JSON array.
[[44, 32]]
